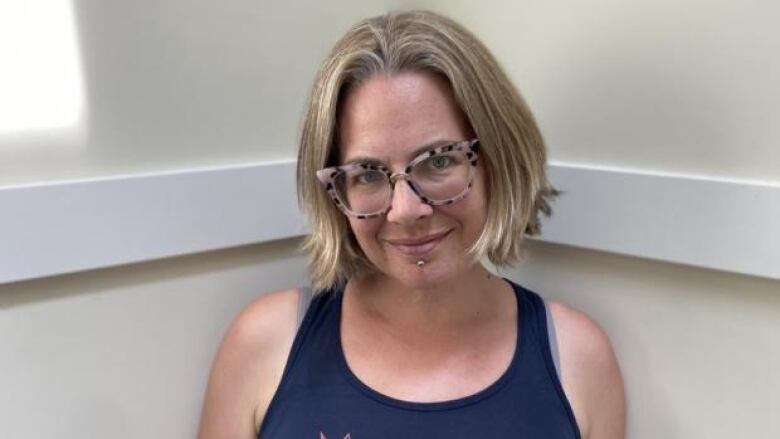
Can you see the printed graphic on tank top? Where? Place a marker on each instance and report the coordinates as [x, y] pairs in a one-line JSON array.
[[319, 397]]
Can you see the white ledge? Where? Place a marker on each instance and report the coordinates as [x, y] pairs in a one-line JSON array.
[[710, 222], [71, 226], [66, 227]]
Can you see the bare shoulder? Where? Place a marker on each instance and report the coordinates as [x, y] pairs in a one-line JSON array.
[[267, 317], [248, 366], [590, 374], [586, 339]]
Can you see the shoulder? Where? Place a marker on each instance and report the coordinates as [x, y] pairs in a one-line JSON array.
[[262, 327], [584, 336], [248, 365], [590, 374], [266, 317]]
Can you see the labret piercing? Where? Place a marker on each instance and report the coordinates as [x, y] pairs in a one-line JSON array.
[[420, 263]]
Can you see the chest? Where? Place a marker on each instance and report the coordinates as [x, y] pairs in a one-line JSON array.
[[426, 370]]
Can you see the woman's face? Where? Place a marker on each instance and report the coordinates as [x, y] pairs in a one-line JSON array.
[[389, 118]]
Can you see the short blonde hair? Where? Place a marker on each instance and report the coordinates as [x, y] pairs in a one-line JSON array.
[[511, 146]]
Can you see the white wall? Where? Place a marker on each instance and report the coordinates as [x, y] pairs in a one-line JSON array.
[[176, 83], [687, 88]]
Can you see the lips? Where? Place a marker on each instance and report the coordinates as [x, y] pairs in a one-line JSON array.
[[418, 246]]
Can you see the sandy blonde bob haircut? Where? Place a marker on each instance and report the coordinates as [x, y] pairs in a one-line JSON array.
[[511, 146]]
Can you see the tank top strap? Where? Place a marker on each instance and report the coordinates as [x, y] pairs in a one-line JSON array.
[[313, 347], [304, 299], [534, 310]]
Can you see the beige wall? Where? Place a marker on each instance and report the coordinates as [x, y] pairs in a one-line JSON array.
[[125, 352]]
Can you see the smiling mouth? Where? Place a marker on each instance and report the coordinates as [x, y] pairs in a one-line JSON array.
[[418, 247]]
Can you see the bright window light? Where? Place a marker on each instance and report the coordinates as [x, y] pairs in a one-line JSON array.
[[40, 67]]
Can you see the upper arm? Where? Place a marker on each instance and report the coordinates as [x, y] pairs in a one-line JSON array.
[[248, 366], [590, 374]]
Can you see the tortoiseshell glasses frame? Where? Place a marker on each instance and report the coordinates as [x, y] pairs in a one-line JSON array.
[[443, 162]]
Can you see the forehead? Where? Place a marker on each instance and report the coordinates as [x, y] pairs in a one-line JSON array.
[[389, 117]]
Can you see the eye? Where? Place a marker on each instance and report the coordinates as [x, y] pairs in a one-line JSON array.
[[439, 162], [368, 178]]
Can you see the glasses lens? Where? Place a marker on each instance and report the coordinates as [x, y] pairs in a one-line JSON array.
[[363, 191], [443, 176]]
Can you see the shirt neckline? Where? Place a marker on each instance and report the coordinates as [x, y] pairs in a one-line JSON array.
[[474, 398]]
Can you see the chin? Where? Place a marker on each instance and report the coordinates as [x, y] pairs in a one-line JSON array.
[[435, 272]]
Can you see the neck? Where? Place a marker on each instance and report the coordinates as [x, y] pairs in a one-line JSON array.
[[438, 308]]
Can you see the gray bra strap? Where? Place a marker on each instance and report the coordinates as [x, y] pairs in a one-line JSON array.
[[304, 299], [553, 340]]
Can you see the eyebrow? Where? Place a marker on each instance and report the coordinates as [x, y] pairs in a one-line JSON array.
[[417, 151]]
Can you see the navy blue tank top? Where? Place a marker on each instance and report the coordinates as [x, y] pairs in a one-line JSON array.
[[319, 396]]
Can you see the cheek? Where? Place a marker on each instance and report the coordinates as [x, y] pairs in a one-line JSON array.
[[365, 232]]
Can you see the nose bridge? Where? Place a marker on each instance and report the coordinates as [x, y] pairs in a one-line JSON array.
[[398, 176], [403, 187], [405, 204]]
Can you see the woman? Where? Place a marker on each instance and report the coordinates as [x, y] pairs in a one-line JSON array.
[[418, 158]]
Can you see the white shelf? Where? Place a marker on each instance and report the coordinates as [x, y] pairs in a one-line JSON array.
[[81, 225]]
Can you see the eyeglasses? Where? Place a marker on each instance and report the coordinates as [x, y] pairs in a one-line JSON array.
[[438, 176]]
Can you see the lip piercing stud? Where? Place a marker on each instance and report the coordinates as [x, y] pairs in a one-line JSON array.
[[420, 263]]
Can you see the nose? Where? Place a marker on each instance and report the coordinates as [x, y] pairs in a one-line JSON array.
[[405, 206]]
